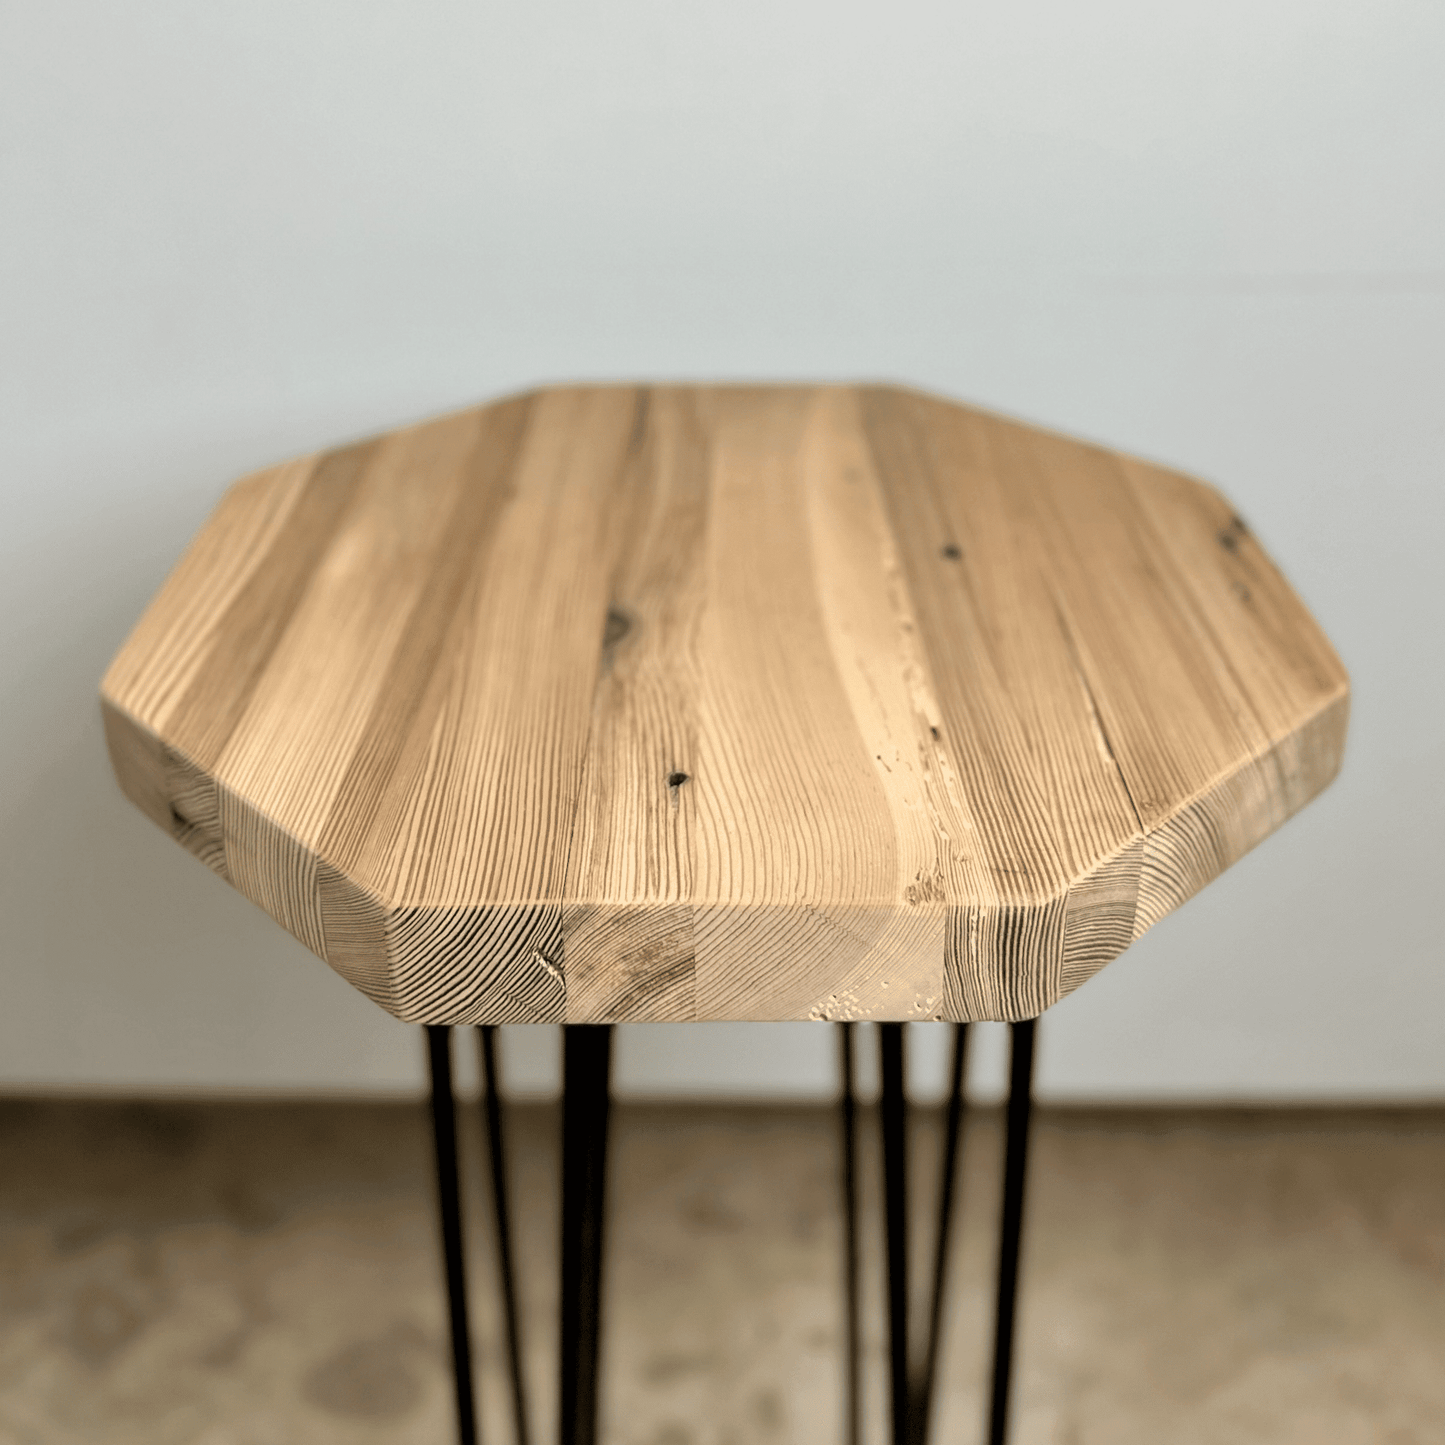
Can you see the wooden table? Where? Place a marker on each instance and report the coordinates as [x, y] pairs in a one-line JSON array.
[[604, 704]]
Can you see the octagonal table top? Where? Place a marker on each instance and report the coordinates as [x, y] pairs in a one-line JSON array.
[[611, 703]]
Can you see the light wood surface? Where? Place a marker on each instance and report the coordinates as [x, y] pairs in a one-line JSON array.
[[617, 703]]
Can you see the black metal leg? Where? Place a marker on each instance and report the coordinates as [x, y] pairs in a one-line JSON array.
[[444, 1132], [502, 1218], [1020, 1102], [587, 1058], [850, 1232], [952, 1130], [893, 1110]]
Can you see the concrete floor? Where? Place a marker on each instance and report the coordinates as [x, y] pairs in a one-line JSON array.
[[244, 1274]]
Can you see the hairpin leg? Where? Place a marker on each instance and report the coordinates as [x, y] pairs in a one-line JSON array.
[[444, 1133], [947, 1210], [502, 1218], [1021, 1068], [850, 1233], [587, 1055], [893, 1109]]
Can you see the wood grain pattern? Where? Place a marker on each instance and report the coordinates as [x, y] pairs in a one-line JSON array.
[[622, 703]]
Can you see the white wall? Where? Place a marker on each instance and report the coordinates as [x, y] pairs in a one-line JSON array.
[[1211, 234]]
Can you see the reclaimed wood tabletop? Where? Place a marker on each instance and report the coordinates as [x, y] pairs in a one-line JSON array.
[[620, 703]]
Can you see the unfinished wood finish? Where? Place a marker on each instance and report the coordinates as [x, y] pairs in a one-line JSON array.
[[651, 703]]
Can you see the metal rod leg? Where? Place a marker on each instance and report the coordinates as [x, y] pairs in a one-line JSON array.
[[1020, 1101], [444, 1132], [502, 1218], [850, 1232], [893, 1110], [947, 1195], [587, 1057]]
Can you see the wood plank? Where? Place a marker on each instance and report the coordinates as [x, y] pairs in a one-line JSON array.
[[473, 856], [627, 924], [1283, 662], [1017, 723], [799, 909]]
